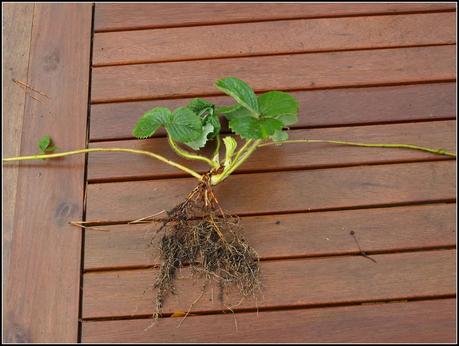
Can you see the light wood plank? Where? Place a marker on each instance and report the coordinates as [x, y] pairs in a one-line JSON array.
[[42, 297], [17, 25]]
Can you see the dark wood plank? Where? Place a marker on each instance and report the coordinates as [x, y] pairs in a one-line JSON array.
[[311, 71], [135, 16], [350, 106], [315, 234], [42, 297], [17, 24], [286, 283], [257, 38], [414, 322], [441, 134], [294, 191]]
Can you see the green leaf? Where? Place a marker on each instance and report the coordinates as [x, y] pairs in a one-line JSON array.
[[241, 92], [237, 112], [279, 105], [151, 121], [205, 109], [185, 125], [251, 128], [202, 140], [230, 146], [52, 149], [279, 136], [198, 105], [44, 145], [227, 109], [213, 120]]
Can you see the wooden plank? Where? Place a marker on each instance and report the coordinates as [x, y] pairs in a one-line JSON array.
[[136, 16], [315, 234], [428, 321], [311, 71], [310, 281], [313, 35], [42, 297], [350, 106], [17, 25], [294, 191], [441, 134]]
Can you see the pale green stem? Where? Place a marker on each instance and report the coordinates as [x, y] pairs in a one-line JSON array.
[[235, 164], [217, 151], [241, 151], [372, 145], [124, 150], [189, 155]]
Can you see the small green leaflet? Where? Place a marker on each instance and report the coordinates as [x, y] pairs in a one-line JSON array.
[[202, 140], [151, 121], [237, 112], [227, 109], [205, 110], [279, 136], [230, 146], [251, 128], [279, 105], [198, 105], [185, 126], [44, 145], [212, 118], [276, 109], [241, 92]]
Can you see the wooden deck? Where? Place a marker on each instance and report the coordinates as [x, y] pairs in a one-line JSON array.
[[362, 72]]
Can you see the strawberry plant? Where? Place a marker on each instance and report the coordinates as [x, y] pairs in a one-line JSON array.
[[198, 232]]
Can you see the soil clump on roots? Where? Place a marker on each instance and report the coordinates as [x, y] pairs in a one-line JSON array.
[[199, 234]]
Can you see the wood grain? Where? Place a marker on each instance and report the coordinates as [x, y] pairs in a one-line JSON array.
[[136, 16], [311, 71], [17, 25], [414, 322], [250, 39], [42, 297], [282, 191], [350, 106], [440, 134], [275, 236], [310, 282]]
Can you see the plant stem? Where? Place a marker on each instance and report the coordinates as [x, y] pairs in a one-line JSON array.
[[373, 145], [239, 160], [189, 155], [241, 151], [124, 150], [215, 156]]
